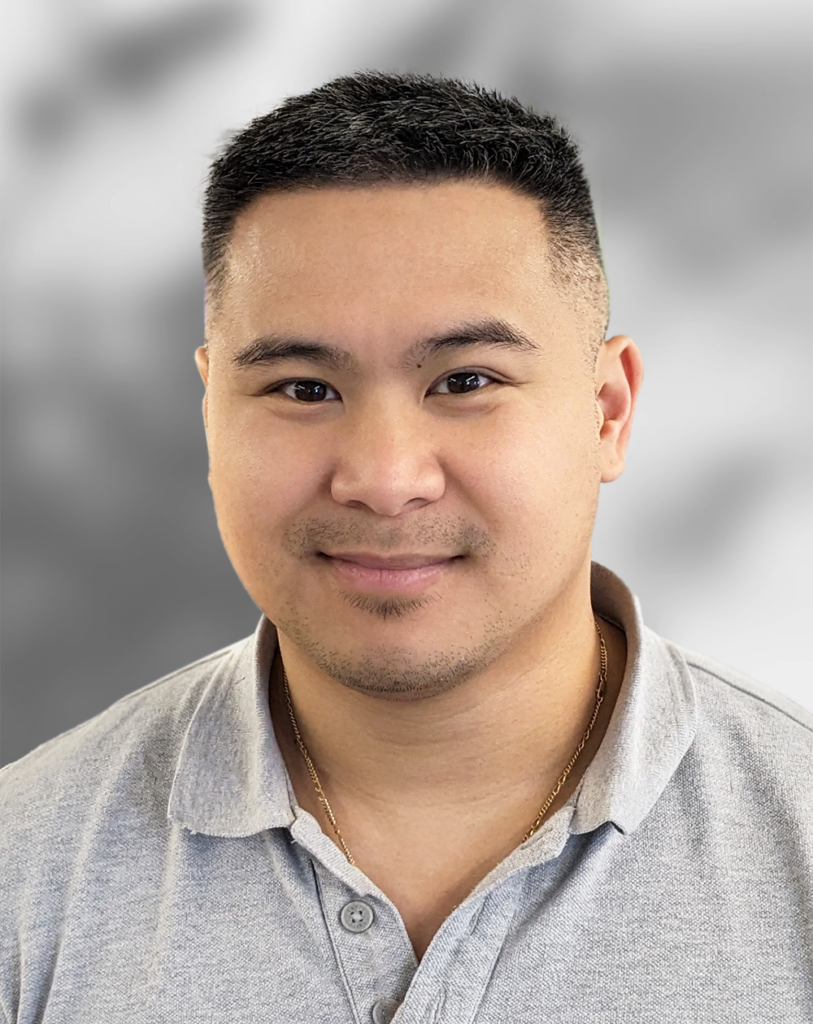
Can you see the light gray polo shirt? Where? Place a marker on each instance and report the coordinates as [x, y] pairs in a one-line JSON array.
[[155, 866]]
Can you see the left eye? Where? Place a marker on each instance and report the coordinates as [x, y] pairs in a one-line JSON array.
[[467, 376]]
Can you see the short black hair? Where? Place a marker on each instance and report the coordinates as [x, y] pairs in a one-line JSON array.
[[375, 128]]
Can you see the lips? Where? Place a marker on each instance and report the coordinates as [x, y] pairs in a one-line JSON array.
[[388, 575], [392, 563]]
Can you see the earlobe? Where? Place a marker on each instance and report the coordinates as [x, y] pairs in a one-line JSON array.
[[619, 382], [202, 363]]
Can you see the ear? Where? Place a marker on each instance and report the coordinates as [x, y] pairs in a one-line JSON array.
[[202, 363], [619, 376]]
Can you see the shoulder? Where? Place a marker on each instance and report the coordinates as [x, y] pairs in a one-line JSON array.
[[751, 737], [757, 701], [132, 746], [84, 802]]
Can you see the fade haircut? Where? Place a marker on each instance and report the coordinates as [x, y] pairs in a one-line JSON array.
[[375, 128]]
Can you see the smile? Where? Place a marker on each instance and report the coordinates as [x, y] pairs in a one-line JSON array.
[[361, 577]]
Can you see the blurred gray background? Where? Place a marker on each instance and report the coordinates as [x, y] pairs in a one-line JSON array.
[[695, 124]]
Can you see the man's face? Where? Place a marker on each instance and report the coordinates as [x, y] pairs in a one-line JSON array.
[[498, 464]]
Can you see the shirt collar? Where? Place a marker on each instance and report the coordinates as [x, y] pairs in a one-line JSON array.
[[231, 779], [653, 723]]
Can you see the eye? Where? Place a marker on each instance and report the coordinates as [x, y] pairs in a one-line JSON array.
[[307, 391], [466, 378], [310, 391]]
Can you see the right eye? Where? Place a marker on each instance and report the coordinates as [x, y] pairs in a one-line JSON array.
[[306, 391]]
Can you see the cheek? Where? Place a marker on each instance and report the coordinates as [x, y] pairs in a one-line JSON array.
[[543, 480], [256, 480]]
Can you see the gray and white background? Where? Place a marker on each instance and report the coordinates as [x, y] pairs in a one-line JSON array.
[[695, 125]]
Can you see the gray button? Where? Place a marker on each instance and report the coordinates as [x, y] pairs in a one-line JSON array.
[[356, 916], [384, 1010]]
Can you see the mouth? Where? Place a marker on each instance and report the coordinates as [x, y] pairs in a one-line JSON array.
[[373, 578]]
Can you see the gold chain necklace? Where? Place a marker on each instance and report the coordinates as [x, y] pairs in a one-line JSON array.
[[600, 691]]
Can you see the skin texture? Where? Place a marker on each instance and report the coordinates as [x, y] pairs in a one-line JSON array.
[[432, 714]]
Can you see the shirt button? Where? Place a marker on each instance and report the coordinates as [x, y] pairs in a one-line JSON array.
[[357, 916], [384, 1010]]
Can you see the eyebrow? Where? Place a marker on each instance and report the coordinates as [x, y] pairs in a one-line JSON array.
[[274, 348]]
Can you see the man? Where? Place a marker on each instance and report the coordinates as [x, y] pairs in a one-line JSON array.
[[452, 776]]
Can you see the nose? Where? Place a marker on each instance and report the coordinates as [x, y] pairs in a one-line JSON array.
[[387, 460]]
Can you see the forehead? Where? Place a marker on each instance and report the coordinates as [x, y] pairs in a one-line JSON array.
[[398, 262], [363, 237]]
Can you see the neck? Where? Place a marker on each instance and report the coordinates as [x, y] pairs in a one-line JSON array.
[[502, 740]]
